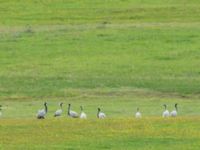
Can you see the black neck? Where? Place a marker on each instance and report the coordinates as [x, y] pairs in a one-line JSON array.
[[46, 109], [81, 108], [98, 113], [68, 109]]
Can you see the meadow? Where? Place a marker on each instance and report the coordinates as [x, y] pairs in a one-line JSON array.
[[117, 55]]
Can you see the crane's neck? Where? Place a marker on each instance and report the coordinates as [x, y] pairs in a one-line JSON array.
[[81, 109], [46, 109], [98, 113], [68, 109]]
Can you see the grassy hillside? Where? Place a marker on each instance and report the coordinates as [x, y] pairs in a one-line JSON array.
[[43, 12], [43, 54], [117, 55], [47, 63]]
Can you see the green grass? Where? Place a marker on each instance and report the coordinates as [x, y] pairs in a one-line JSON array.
[[117, 55], [154, 133], [43, 63]]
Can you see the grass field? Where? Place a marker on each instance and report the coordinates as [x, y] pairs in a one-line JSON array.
[[117, 55], [154, 133]]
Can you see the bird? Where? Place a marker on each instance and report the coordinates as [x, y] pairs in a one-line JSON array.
[[0, 110], [174, 112], [59, 111], [138, 114], [100, 114], [166, 112], [41, 113], [71, 113], [82, 115]]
